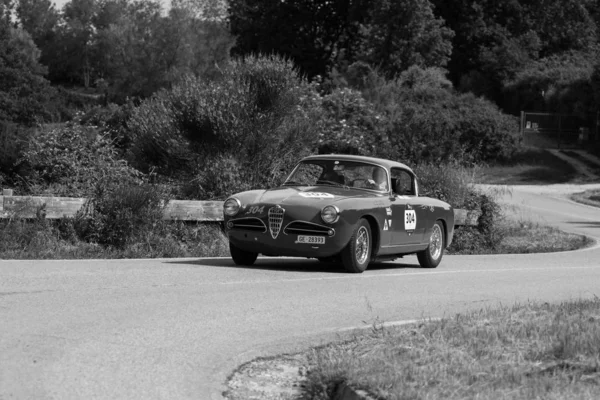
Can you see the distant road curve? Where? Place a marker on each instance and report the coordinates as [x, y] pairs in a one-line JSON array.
[[175, 328]]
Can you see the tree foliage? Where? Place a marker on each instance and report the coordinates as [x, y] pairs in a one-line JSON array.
[[404, 33], [313, 33], [127, 47], [494, 40], [320, 36], [561, 83], [23, 88]]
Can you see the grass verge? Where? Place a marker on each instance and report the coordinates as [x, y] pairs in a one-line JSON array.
[[530, 166], [47, 240], [517, 237], [527, 351], [589, 197]]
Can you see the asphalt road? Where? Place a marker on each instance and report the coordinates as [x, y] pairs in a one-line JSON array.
[[174, 329]]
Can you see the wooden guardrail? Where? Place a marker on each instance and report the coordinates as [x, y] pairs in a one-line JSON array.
[[177, 210]]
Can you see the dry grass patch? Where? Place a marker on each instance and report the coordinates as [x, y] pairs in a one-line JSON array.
[[521, 352]]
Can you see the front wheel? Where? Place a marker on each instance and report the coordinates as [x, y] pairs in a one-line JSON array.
[[432, 255], [241, 257], [357, 254]]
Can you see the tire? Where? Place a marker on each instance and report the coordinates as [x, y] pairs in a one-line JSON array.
[[242, 257], [432, 255], [357, 254]]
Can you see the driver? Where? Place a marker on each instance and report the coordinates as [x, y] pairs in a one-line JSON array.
[[379, 181]]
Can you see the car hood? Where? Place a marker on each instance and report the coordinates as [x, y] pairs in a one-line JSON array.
[[305, 195]]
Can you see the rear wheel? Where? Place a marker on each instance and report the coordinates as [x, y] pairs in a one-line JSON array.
[[357, 254], [241, 257], [432, 255]]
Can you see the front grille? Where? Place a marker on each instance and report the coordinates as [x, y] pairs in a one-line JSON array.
[[248, 224], [307, 228], [275, 220]]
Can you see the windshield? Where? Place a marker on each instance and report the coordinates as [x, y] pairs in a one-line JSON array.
[[339, 173]]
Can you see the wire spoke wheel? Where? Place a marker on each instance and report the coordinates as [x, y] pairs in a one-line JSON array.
[[436, 242], [432, 255], [362, 245], [357, 254]]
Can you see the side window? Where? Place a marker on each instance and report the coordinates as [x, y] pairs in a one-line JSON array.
[[402, 182]]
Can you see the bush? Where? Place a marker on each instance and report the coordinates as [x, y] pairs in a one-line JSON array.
[[436, 125], [349, 124], [19, 236], [487, 235], [449, 182], [425, 120], [454, 184], [69, 160], [117, 214], [258, 115]]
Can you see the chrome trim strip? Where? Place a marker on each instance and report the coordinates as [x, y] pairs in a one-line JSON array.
[[262, 223], [325, 228]]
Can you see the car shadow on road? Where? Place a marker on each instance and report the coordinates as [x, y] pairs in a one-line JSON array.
[[295, 265]]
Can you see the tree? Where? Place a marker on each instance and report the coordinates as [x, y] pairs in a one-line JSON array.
[[140, 50], [315, 34], [403, 33], [23, 88], [39, 18], [563, 25], [496, 39]]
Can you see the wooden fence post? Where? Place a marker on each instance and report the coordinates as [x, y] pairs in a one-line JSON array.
[[5, 193]]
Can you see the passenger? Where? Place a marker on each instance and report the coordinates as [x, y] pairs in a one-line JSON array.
[[379, 181]]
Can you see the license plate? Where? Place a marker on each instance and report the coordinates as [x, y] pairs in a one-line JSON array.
[[310, 239]]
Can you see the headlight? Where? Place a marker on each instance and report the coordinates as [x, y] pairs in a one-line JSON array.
[[330, 214], [231, 206]]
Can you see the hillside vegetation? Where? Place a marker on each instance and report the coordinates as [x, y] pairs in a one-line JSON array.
[[211, 97]]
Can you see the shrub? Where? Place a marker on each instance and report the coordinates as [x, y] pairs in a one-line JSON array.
[[349, 124], [487, 235], [449, 182], [437, 125], [117, 214], [424, 120], [35, 237], [258, 115], [454, 184], [70, 160]]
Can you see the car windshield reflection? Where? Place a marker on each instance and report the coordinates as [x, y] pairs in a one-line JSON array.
[[347, 174]]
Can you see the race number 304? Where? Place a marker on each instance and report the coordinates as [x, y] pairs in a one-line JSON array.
[[410, 220]]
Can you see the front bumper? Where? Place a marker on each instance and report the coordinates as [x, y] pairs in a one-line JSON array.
[[250, 236]]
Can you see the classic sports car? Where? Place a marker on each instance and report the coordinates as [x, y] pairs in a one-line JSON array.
[[340, 208]]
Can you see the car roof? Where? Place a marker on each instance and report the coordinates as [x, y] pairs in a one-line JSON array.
[[348, 157]]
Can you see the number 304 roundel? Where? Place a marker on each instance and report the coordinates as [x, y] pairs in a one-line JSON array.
[[410, 220]]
